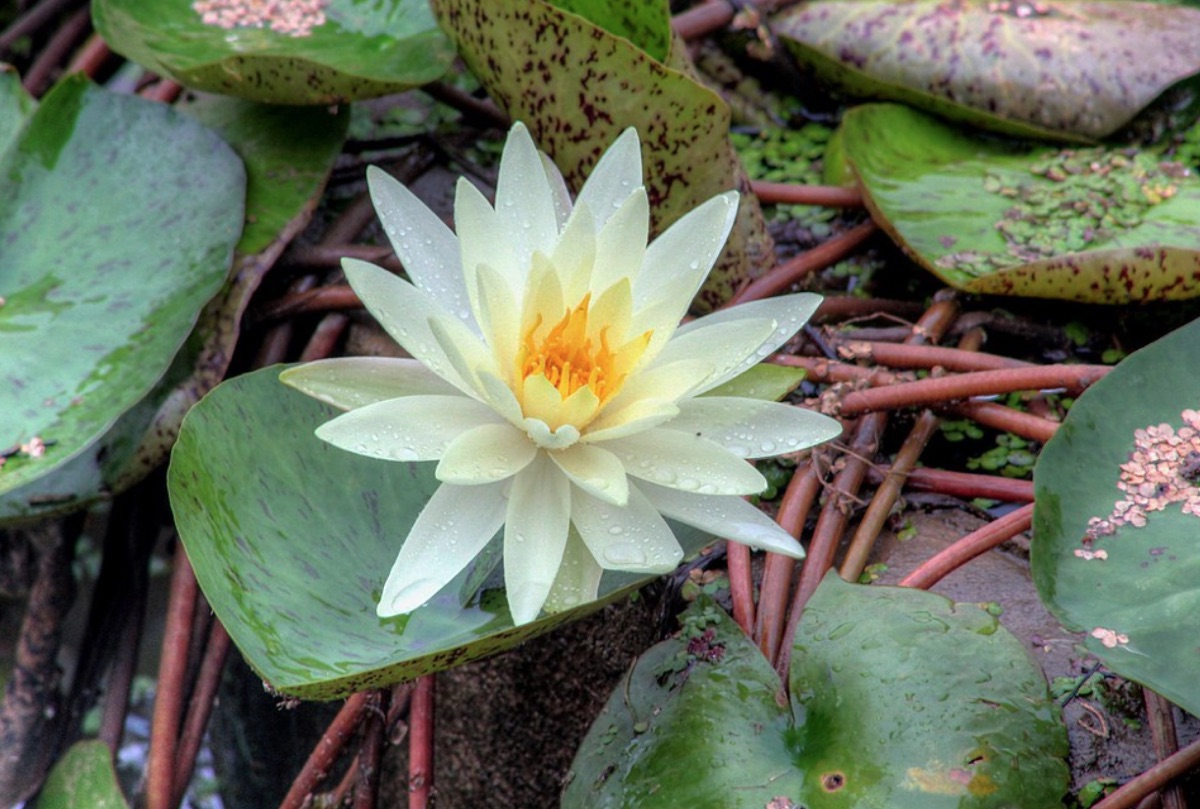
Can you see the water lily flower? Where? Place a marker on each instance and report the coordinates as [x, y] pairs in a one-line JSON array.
[[553, 384]]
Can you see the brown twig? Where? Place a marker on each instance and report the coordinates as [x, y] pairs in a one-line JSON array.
[[323, 756], [1161, 719], [1006, 420], [794, 269], [39, 75], [962, 484], [845, 307], [200, 707], [931, 571], [481, 111], [90, 57], [39, 14], [702, 20], [420, 744], [831, 196], [1153, 779], [741, 584], [329, 256], [903, 355], [366, 791], [164, 91]]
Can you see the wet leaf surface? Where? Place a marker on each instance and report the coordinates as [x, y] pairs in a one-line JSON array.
[[1099, 225], [899, 698], [84, 776], [357, 49], [577, 87], [1132, 581], [1059, 67], [99, 296], [291, 539]]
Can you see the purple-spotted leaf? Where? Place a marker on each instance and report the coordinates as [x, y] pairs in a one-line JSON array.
[[281, 52], [899, 698], [118, 218], [1096, 224], [1056, 68], [1116, 516], [291, 540], [581, 73]]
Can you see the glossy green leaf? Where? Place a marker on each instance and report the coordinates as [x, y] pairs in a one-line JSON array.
[[1063, 67], [288, 153], [16, 106], [762, 381], [1100, 225], [899, 698], [83, 777], [578, 86], [291, 540], [119, 217], [1135, 591], [358, 48]]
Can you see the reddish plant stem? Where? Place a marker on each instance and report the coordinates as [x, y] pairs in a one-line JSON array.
[[172, 671], [845, 307], [481, 111], [30, 22], [325, 337], [702, 20], [366, 791], [1153, 779], [963, 386], [39, 75], [831, 196], [1166, 743], [200, 707], [316, 768], [164, 91], [934, 569], [329, 256], [90, 57], [784, 275], [420, 744], [1007, 420], [741, 584], [797, 502], [962, 484], [904, 355], [120, 676]]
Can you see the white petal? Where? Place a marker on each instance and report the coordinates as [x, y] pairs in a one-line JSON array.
[[752, 428], [426, 247], [678, 261], [414, 428], [669, 382], [633, 538], [350, 382], [729, 517], [501, 398], [635, 417], [451, 530], [403, 311], [728, 348], [525, 203], [485, 454], [465, 351], [535, 534], [482, 240], [597, 471], [558, 190], [616, 175], [500, 317], [575, 254], [541, 434], [621, 244], [789, 312], [685, 461], [578, 578]]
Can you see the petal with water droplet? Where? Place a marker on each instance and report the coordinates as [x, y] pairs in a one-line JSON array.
[[634, 538], [535, 535], [485, 454], [414, 428], [350, 382], [596, 471], [578, 577], [682, 460], [729, 517], [752, 428]]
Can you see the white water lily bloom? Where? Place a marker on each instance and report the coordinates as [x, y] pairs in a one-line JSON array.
[[552, 383]]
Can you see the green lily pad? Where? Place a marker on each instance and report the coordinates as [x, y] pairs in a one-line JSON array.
[[899, 698], [580, 86], [1057, 68], [84, 776], [354, 50], [1135, 589], [16, 107], [119, 217], [1100, 225], [291, 539]]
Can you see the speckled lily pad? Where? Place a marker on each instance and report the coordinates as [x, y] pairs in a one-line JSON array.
[[1101, 225]]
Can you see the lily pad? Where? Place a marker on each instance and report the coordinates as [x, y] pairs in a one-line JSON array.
[[577, 86], [1058, 68], [84, 776], [1114, 553], [291, 539], [16, 106], [899, 698], [99, 294], [1100, 225], [346, 51]]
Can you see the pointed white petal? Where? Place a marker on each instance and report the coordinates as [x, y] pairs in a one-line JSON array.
[[685, 461], [678, 261], [729, 517], [728, 348], [464, 350], [500, 317], [666, 382], [621, 244], [500, 398], [482, 240], [633, 538], [451, 530], [634, 418], [597, 471], [535, 534], [789, 312], [485, 454], [752, 428], [426, 247], [578, 578], [403, 311], [414, 428], [575, 254], [616, 175], [350, 382], [525, 203], [558, 190]]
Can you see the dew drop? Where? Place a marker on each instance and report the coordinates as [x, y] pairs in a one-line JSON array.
[[767, 446], [624, 553], [707, 488], [616, 530], [689, 484]]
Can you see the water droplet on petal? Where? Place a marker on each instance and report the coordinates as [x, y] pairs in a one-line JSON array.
[[616, 530], [689, 484], [624, 553]]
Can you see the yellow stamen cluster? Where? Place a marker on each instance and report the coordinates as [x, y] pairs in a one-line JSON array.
[[568, 358]]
